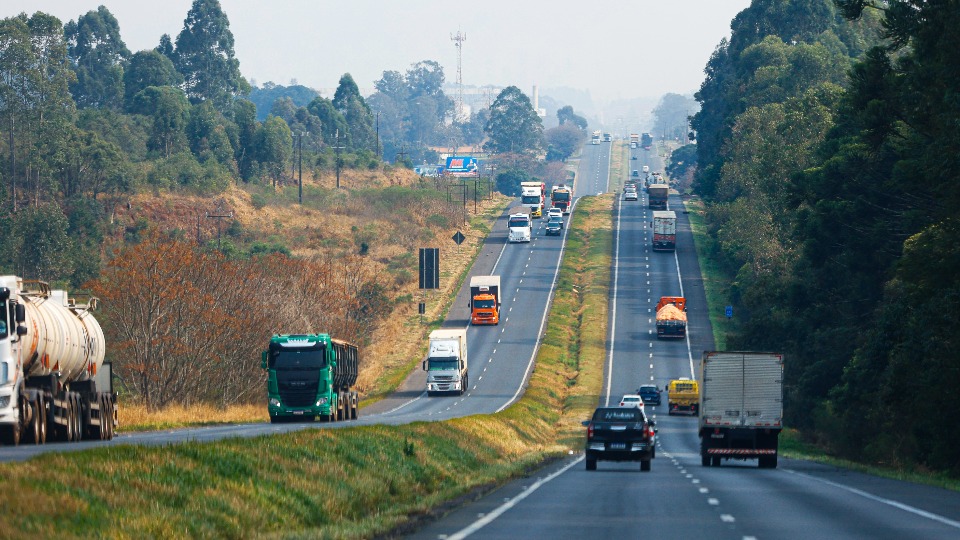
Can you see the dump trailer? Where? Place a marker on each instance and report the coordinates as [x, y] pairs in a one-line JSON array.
[[741, 407], [672, 317], [485, 300], [658, 194], [51, 355], [560, 198], [311, 376], [664, 230], [446, 363]]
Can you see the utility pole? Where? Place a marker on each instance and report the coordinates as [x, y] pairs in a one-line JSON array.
[[337, 148], [379, 153], [219, 215], [300, 165]]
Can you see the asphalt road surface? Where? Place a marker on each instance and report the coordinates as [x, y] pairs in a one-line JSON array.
[[679, 498]]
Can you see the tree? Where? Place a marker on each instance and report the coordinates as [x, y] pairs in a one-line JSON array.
[[36, 108], [356, 113], [333, 122], [98, 54], [206, 132], [425, 79], [245, 116], [170, 111], [513, 126], [148, 68], [566, 115], [204, 56], [40, 243], [508, 182], [670, 116], [274, 147], [562, 141]]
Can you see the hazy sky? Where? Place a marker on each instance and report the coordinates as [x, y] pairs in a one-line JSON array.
[[614, 49]]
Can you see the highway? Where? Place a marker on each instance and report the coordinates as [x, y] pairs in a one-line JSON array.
[[679, 498], [500, 357]]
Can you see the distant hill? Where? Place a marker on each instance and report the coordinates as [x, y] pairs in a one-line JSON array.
[[264, 97]]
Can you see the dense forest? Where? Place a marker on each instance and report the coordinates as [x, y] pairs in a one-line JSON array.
[[828, 155], [152, 179]]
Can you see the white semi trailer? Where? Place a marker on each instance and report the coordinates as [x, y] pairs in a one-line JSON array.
[[51, 357]]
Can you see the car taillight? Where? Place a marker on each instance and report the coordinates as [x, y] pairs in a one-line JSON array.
[[589, 431], [650, 432]]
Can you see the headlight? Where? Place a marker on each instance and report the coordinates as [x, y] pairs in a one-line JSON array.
[[275, 402], [321, 401], [4, 402]]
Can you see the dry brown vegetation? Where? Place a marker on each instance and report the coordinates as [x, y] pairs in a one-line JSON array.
[[348, 245]]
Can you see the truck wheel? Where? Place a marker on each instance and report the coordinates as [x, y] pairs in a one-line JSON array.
[[591, 464], [767, 462], [33, 430], [705, 460], [42, 411], [77, 418], [716, 461], [10, 434], [645, 465]]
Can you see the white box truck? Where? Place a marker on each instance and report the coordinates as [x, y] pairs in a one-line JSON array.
[[446, 363], [741, 407]]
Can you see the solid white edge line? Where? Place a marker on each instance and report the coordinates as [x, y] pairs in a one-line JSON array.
[[686, 336], [613, 310], [398, 407], [487, 519], [895, 504]]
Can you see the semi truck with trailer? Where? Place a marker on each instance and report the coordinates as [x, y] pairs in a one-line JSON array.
[[595, 138], [311, 376], [485, 300], [741, 407], [658, 194], [646, 141], [446, 363], [683, 396], [672, 317], [664, 230], [634, 140], [51, 359], [519, 227], [560, 198]]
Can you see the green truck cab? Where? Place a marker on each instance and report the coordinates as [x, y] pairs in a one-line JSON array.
[[311, 376]]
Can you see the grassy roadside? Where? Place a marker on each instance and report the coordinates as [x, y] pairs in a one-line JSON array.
[[715, 283], [353, 482]]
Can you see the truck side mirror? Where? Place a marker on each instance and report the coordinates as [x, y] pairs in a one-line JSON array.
[[21, 331], [263, 360], [4, 294], [585, 423], [424, 365], [20, 314]]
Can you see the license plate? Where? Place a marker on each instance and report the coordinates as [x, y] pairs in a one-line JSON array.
[[618, 446], [298, 412]]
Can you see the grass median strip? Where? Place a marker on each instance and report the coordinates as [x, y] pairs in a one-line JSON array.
[[351, 482]]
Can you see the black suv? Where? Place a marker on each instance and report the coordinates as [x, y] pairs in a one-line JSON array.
[[650, 394], [619, 434]]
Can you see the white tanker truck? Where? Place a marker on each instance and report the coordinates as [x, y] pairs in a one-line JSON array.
[[51, 356]]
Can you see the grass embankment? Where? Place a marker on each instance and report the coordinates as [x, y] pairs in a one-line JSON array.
[[716, 283], [353, 482]]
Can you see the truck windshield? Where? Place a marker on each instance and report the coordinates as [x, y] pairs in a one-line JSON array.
[[483, 304], [519, 223], [3, 321], [444, 364], [293, 360], [561, 197], [531, 199]]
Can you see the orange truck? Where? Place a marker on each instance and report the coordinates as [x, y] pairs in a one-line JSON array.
[[485, 300], [672, 317]]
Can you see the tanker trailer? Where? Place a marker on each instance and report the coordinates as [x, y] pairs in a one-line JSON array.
[[51, 352]]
